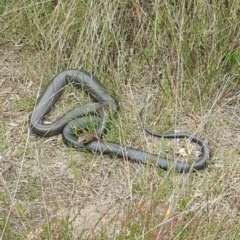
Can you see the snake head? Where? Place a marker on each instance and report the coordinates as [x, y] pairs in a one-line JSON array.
[[87, 137]]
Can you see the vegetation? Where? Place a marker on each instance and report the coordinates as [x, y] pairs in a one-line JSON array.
[[178, 59]]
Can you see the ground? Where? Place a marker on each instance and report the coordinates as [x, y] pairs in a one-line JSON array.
[[47, 185], [178, 61]]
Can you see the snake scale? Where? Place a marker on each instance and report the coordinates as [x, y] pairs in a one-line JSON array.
[[97, 112]]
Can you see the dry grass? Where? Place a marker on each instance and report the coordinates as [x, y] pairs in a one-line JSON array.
[[179, 60]]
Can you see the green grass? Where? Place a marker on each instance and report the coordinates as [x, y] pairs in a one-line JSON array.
[[178, 59]]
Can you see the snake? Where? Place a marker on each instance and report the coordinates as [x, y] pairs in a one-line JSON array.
[[98, 112]]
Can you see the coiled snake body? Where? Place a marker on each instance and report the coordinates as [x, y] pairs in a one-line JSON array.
[[103, 105]]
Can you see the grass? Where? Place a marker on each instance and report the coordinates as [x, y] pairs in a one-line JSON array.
[[178, 59]]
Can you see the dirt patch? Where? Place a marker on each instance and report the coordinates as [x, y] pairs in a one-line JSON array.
[[90, 220]]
